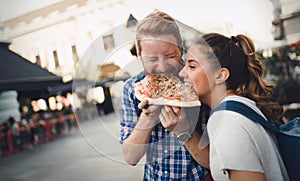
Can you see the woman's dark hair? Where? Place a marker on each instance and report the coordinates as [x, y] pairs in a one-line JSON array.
[[237, 54]]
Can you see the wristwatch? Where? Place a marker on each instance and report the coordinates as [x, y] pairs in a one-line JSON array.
[[184, 137]]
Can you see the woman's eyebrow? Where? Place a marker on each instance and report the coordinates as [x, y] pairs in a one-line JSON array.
[[192, 60]]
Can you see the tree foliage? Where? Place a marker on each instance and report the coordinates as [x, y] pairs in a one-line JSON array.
[[282, 64]]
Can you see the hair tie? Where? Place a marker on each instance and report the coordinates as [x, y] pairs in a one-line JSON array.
[[232, 41], [233, 38]]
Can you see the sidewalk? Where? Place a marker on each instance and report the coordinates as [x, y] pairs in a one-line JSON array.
[[92, 153]]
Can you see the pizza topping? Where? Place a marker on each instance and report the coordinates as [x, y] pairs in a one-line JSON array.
[[167, 86]]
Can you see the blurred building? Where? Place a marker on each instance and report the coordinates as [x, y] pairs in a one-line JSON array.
[[82, 40], [286, 21], [73, 38], [55, 37]]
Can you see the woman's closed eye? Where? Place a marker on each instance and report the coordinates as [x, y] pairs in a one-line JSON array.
[[192, 64], [191, 67]]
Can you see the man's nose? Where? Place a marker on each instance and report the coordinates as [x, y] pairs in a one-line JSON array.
[[162, 65]]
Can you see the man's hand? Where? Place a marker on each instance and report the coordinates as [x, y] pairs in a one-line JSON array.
[[149, 116], [135, 146]]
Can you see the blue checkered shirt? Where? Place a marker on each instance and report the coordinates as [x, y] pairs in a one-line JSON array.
[[166, 158]]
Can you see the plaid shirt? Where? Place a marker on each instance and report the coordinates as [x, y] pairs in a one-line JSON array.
[[166, 158]]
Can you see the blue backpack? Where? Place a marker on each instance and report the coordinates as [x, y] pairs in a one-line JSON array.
[[288, 135]]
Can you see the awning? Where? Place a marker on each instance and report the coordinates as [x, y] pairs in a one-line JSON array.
[[17, 73]]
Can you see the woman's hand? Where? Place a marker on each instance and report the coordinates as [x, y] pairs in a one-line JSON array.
[[174, 119]]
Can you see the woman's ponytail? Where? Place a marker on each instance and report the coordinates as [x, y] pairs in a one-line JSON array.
[[257, 89]]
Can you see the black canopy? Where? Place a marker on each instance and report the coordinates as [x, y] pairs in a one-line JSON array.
[[17, 73]]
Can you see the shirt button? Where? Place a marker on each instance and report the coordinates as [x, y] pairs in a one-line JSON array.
[[166, 172], [166, 151]]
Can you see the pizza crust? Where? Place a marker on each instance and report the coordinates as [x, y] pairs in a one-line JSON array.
[[163, 101]]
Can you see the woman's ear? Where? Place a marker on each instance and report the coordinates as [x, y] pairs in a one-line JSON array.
[[222, 75]]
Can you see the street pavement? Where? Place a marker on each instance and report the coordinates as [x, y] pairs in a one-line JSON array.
[[91, 153]]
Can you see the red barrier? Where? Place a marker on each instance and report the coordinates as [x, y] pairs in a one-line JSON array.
[[48, 131], [7, 141], [41, 132], [10, 142]]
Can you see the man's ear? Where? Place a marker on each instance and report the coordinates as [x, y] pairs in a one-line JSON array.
[[139, 54], [222, 76], [138, 50], [182, 51]]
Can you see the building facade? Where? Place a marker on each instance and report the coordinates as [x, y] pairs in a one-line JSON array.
[[73, 38], [57, 36], [286, 20]]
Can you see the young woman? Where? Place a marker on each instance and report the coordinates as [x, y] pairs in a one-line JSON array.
[[222, 69]]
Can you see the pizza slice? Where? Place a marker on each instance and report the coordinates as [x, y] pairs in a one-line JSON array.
[[166, 89]]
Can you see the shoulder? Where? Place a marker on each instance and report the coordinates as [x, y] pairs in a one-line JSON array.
[[135, 79], [128, 88], [128, 85], [224, 124], [250, 103], [230, 124]]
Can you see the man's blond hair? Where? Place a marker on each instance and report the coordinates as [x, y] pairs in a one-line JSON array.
[[155, 24]]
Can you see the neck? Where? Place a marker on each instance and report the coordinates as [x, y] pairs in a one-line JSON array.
[[214, 99]]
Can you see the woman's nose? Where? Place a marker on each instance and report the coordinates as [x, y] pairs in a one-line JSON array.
[[182, 73]]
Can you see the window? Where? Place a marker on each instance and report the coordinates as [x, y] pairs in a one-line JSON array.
[[38, 60], [55, 58], [75, 54], [108, 42]]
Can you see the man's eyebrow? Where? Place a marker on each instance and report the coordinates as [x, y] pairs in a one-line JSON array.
[[171, 53]]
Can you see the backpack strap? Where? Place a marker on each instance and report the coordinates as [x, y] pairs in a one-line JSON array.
[[248, 112]]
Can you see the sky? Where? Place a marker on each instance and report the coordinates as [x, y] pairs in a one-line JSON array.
[[13, 8], [252, 17]]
